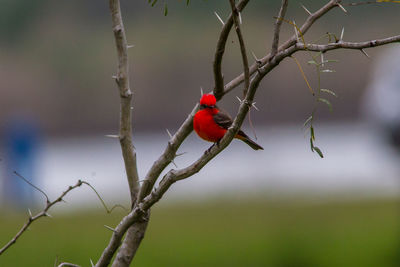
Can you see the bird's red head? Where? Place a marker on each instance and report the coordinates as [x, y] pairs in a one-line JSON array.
[[208, 100]]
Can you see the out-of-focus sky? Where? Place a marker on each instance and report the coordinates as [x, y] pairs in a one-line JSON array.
[[57, 59]]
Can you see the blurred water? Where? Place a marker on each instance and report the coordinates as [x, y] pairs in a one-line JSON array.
[[357, 161]]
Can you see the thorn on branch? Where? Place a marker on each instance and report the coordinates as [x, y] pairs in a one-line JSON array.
[[254, 106], [112, 135], [295, 31], [109, 228], [219, 18], [308, 11], [341, 35], [258, 61], [169, 134], [342, 8], [130, 46], [365, 53]]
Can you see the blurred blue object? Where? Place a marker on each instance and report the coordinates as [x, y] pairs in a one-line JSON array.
[[21, 144]]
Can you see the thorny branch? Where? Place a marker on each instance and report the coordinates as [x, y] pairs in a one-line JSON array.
[[290, 42], [135, 232], [277, 27], [148, 197], [43, 213], [122, 80], [236, 20], [219, 52], [347, 45]]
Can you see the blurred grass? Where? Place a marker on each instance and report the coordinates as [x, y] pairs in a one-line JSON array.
[[250, 232]]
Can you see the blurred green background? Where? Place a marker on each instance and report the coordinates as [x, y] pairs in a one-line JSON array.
[[225, 232]]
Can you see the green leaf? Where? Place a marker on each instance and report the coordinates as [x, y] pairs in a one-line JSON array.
[[165, 9], [187, 2], [319, 152], [308, 121], [328, 70], [154, 2], [331, 60], [311, 145], [326, 101], [312, 133], [312, 62], [329, 92]]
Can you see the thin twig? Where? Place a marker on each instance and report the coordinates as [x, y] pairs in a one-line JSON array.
[[122, 79], [290, 42], [277, 27], [243, 51], [347, 45], [43, 213], [34, 186], [219, 52]]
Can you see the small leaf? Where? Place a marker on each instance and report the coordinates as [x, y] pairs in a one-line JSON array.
[[326, 101], [308, 120], [187, 2], [319, 152], [312, 133], [165, 9], [312, 62], [328, 70], [331, 60], [311, 145], [329, 92], [154, 2]]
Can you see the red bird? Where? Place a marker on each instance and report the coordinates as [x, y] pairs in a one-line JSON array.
[[211, 123]]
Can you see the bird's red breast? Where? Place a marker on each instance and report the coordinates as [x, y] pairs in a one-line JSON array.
[[205, 126]]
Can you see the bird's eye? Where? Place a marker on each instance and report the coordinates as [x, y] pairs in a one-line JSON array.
[[203, 106]]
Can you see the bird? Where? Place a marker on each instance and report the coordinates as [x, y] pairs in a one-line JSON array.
[[211, 123]]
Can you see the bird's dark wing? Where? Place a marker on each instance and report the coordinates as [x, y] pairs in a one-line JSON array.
[[223, 119]]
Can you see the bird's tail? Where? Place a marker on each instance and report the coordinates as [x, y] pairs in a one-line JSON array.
[[242, 136]]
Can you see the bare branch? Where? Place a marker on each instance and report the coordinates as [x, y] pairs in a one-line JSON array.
[[147, 196], [236, 21], [34, 186], [122, 79], [277, 26], [218, 77], [347, 45], [43, 213], [291, 41]]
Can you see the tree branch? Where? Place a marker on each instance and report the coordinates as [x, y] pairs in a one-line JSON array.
[[291, 41], [136, 232], [43, 213], [147, 196], [347, 45], [277, 27], [235, 15], [122, 79], [219, 52]]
